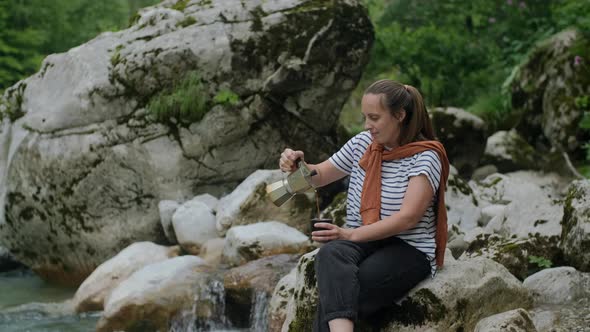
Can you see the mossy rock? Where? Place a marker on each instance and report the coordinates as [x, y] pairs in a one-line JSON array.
[[575, 236], [546, 107]]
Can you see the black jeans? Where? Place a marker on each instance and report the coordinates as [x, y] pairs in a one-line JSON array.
[[357, 279]]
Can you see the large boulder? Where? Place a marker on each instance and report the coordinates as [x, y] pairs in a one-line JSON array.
[[509, 152], [463, 134], [558, 285], [155, 295], [462, 293], [575, 235], [544, 89], [87, 150], [517, 320]]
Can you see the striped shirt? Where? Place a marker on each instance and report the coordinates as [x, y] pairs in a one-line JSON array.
[[395, 176]]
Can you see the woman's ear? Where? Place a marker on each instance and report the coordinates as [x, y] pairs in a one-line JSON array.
[[401, 115]]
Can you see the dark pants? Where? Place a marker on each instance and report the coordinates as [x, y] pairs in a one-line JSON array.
[[357, 279]]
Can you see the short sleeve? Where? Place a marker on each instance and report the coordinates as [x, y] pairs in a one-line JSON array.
[[428, 163], [344, 158]]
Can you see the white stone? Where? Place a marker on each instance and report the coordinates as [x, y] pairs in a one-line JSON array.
[[517, 320], [558, 285], [91, 295], [194, 224], [250, 242]]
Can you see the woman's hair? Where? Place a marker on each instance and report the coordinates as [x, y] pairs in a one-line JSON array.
[[395, 97]]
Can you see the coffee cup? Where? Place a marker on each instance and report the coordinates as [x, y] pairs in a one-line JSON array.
[[318, 220]]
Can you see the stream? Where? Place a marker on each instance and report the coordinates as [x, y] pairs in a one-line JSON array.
[[28, 304]]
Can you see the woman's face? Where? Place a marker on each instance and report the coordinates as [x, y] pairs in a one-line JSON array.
[[383, 126]]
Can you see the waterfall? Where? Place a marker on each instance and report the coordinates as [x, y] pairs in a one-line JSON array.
[[259, 312], [209, 302]]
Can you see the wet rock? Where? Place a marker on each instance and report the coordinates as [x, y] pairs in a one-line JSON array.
[[151, 297], [91, 295], [253, 281]]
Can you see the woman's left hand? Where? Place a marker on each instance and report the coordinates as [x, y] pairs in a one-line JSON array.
[[331, 232]]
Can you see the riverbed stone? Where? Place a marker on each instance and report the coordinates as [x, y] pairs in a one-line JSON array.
[[85, 157], [517, 320], [462, 293], [93, 292], [153, 296], [558, 285], [250, 242], [532, 202], [194, 224], [509, 152], [575, 235]]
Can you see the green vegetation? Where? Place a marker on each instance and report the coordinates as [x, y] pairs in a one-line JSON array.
[[226, 97], [459, 53], [32, 29], [186, 101], [540, 262]]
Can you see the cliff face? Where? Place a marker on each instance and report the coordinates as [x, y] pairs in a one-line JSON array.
[[192, 98]]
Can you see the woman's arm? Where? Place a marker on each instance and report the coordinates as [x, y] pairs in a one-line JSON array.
[[417, 198], [327, 172]]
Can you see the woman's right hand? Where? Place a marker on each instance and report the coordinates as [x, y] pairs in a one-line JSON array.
[[288, 158]]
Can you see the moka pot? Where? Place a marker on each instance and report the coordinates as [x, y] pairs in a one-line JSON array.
[[295, 183]]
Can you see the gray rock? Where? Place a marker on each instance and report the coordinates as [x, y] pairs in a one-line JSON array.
[[461, 294], [277, 310], [517, 320], [509, 152], [463, 208], [153, 295], [251, 242], [167, 209], [558, 285], [249, 203], [575, 235], [463, 134], [194, 224], [83, 164], [91, 295], [543, 92]]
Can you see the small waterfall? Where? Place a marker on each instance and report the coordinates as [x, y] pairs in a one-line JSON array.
[[210, 302], [259, 312]]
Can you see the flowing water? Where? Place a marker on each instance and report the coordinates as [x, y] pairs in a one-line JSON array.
[[27, 303]]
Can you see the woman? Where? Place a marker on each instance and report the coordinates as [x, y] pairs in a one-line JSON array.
[[396, 219]]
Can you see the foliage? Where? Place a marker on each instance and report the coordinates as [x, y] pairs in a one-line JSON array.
[[186, 101], [459, 53], [31, 29], [226, 97], [540, 262]]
